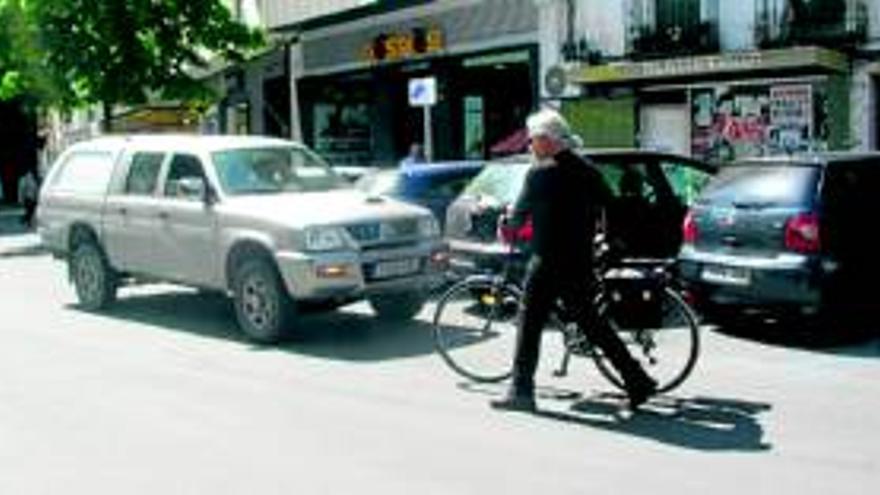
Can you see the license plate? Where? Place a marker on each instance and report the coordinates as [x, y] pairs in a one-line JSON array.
[[727, 275], [395, 268]]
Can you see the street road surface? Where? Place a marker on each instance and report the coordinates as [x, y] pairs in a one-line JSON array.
[[161, 396]]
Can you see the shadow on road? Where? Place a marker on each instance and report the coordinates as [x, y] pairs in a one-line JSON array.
[[700, 423], [341, 334], [24, 251], [855, 338]]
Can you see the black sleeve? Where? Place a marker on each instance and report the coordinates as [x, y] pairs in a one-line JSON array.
[[601, 194]]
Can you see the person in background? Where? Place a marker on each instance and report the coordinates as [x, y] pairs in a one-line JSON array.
[[28, 190], [416, 155], [564, 196]]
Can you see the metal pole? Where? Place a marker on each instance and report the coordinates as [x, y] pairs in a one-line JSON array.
[[429, 141]]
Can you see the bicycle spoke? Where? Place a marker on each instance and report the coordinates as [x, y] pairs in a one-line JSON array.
[[475, 330]]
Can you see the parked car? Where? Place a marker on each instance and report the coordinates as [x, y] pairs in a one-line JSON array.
[[264, 220], [787, 236], [652, 192], [432, 185]]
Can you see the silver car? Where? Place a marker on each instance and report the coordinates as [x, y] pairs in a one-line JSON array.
[[264, 220]]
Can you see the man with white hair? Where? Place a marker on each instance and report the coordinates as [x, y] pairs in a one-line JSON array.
[[564, 196]]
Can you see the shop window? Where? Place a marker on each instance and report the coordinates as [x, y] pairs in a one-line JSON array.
[[342, 132]]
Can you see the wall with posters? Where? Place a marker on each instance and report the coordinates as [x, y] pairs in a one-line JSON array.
[[737, 121]]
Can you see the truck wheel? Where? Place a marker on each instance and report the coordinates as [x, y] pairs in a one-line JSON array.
[[262, 306], [95, 281], [397, 307]]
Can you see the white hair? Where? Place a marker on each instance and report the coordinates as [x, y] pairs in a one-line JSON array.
[[548, 122]]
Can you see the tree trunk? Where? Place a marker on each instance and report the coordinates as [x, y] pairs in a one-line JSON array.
[[107, 120]]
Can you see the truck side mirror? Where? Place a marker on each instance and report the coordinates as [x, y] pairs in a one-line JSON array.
[[193, 188]]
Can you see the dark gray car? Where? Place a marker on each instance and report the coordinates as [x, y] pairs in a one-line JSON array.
[[784, 235], [652, 192]]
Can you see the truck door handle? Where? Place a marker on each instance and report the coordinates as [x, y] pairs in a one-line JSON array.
[[122, 211], [163, 215]]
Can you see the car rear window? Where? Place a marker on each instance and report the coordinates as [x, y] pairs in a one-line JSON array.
[[501, 181], [84, 172], [762, 185]]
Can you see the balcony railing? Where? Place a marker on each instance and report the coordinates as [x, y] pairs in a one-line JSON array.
[[672, 40], [841, 24]]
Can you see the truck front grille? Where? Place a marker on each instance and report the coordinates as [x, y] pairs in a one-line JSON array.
[[387, 232]]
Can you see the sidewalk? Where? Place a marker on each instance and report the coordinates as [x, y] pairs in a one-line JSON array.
[[15, 237]]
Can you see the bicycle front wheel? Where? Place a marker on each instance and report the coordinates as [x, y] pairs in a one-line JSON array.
[[475, 328], [665, 341]]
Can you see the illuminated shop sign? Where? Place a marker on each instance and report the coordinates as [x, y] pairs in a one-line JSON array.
[[388, 47]]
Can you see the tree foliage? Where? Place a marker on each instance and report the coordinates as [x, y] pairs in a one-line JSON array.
[[121, 51], [22, 73]]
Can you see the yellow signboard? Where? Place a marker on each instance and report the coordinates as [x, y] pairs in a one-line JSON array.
[[390, 47], [711, 64]]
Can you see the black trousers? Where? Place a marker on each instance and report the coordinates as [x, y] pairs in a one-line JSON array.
[[547, 281]]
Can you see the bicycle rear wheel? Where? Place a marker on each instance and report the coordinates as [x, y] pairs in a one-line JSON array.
[[475, 328], [666, 343]]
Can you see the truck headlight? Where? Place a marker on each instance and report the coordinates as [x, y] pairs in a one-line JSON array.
[[324, 238], [429, 227]]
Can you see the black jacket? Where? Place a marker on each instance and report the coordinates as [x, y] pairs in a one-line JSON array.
[[565, 202]]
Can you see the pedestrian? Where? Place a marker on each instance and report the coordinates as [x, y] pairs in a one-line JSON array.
[[28, 191], [416, 155], [564, 196]]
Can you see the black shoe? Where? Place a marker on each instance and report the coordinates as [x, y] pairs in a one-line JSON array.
[[515, 402], [640, 391]]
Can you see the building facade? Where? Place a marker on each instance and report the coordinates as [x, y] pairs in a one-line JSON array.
[[715, 79], [351, 76]]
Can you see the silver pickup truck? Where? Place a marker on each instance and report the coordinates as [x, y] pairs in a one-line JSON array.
[[263, 220]]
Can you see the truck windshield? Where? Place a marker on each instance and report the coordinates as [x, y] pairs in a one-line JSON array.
[[273, 170]]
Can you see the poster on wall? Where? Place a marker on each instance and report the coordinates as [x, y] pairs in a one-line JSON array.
[[734, 122], [791, 117]]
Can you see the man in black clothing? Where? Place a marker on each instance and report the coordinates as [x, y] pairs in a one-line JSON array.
[[564, 195]]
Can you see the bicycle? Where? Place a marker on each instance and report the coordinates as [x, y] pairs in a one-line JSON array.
[[637, 298]]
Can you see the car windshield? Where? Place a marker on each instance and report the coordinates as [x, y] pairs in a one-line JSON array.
[[276, 169], [500, 181], [762, 185]]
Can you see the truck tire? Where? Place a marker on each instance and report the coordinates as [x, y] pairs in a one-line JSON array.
[[95, 281], [399, 306], [263, 307]]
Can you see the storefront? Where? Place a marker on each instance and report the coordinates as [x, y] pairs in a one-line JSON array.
[[353, 79], [728, 106]]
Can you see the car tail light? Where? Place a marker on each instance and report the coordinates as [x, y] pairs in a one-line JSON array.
[[802, 233], [689, 228], [512, 235]]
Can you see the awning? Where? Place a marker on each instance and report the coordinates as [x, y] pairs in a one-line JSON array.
[[517, 142]]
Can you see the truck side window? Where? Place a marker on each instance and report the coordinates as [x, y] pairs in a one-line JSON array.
[[143, 173], [182, 167]]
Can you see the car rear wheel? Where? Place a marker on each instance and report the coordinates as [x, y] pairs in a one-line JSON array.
[[94, 280]]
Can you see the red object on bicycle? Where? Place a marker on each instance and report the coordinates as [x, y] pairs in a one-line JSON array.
[[509, 234]]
